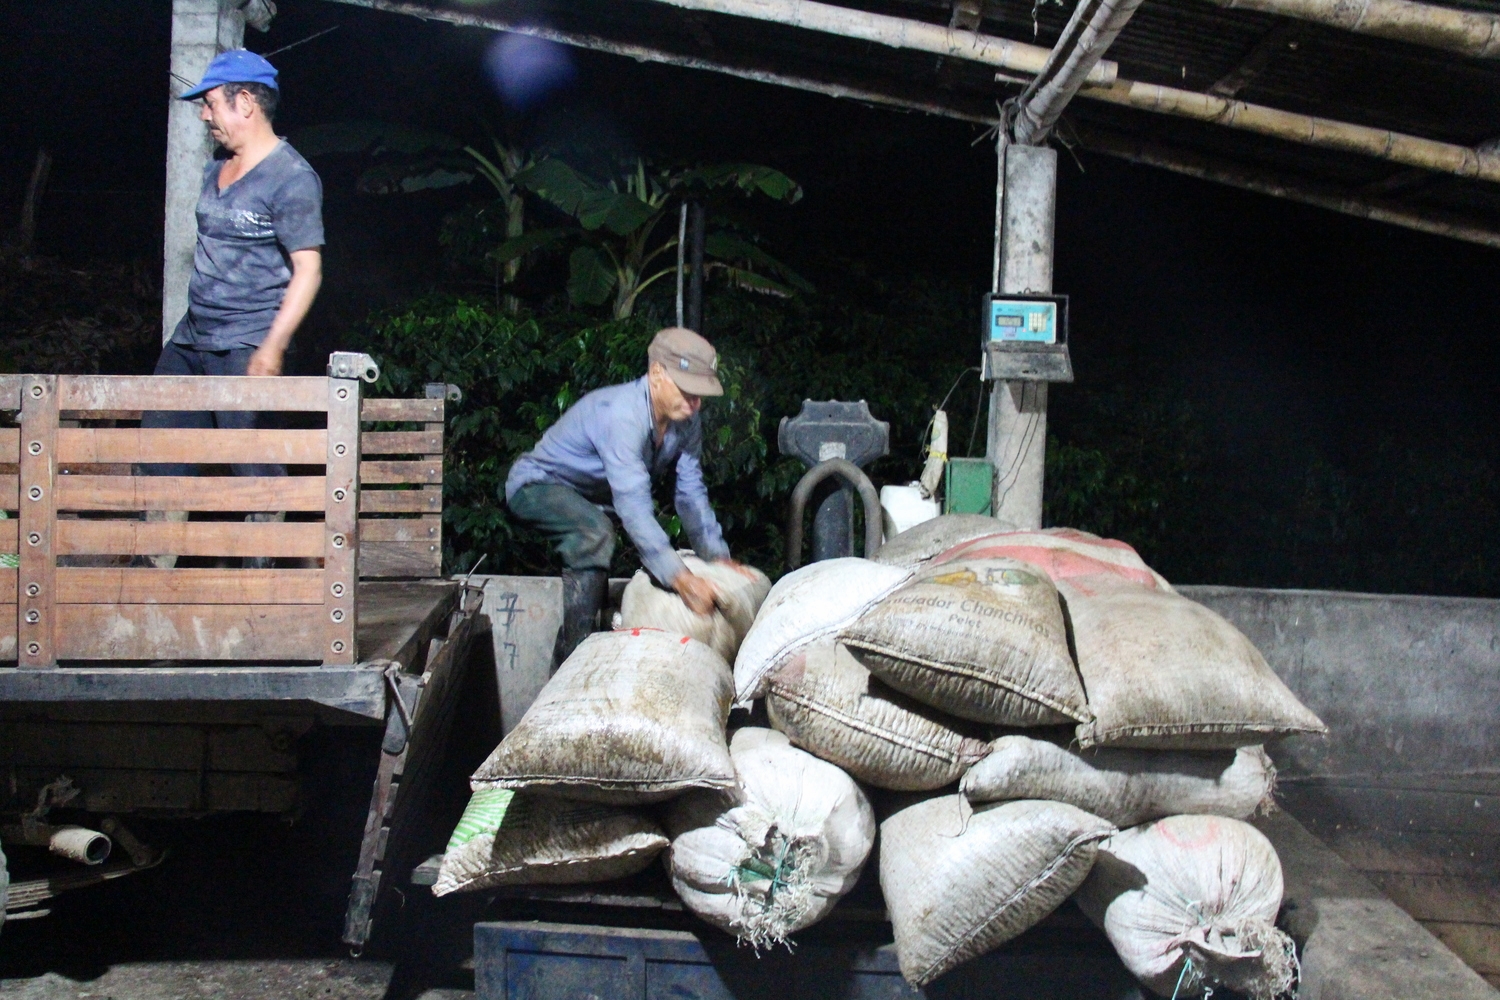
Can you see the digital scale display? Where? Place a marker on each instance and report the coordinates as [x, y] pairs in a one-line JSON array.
[[1026, 320], [1024, 337]]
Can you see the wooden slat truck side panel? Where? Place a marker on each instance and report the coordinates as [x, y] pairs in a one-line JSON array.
[[101, 544]]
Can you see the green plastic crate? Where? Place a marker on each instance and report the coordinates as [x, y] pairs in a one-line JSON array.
[[967, 486]]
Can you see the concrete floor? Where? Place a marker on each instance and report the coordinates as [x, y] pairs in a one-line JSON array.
[[243, 979]]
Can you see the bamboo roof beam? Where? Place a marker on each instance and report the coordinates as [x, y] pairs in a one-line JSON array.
[[1305, 129], [1207, 168], [1309, 130], [1468, 32], [1089, 33], [896, 32], [646, 53]]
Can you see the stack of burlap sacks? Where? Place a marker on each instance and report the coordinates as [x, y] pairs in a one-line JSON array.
[[1044, 715]]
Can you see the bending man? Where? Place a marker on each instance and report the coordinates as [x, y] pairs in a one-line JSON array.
[[604, 452]]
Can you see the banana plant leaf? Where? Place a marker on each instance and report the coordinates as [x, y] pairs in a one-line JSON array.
[[401, 177], [590, 277], [748, 177], [593, 204], [524, 244], [753, 282], [728, 247]]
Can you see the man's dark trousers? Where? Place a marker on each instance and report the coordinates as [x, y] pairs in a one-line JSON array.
[[177, 359], [585, 539]]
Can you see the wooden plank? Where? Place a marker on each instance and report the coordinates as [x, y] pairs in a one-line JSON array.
[[1442, 897], [398, 443], [1477, 944], [8, 585], [341, 522], [215, 447], [397, 618], [192, 392], [385, 529], [239, 493], [10, 444], [185, 586], [386, 473], [190, 631], [388, 559], [8, 622], [37, 522], [10, 534], [190, 538], [71, 745], [10, 492], [401, 410], [356, 689], [10, 392], [400, 501], [133, 416]]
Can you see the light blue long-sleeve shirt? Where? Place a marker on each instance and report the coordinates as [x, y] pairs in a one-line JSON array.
[[605, 448]]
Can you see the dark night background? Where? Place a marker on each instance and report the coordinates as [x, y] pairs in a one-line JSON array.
[[1315, 394]]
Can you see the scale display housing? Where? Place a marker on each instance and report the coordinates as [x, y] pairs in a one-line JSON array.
[[1025, 338]]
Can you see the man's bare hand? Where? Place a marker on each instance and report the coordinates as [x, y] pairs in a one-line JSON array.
[[738, 567], [697, 593], [265, 361]]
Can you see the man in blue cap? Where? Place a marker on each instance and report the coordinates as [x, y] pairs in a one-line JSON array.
[[258, 262]]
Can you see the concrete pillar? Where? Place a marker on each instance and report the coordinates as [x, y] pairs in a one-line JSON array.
[[201, 29], [1017, 440]]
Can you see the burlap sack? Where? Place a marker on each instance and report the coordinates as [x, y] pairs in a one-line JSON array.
[[804, 606], [1061, 553], [826, 702], [1164, 672], [959, 882], [645, 605], [981, 639], [632, 716], [1126, 787], [1193, 889], [518, 838], [777, 853], [921, 542]]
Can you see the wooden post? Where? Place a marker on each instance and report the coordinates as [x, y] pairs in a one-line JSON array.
[[201, 29], [1017, 441], [341, 521], [35, 583]]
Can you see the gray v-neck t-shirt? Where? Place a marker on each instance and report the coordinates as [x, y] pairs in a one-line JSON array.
[[246, 232]]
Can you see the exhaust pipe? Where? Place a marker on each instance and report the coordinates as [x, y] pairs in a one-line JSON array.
[[76, 843], [79, 843]]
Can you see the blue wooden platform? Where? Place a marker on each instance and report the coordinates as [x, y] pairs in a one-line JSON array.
[[535, 960]]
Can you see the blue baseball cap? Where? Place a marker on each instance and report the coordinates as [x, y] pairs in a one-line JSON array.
[[234, 66]]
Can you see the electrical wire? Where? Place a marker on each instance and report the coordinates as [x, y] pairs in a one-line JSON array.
[[927, 431], [320, 34]]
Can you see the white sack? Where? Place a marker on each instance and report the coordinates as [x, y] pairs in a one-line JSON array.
[[1199, 888], [1126, 787], [828, 704], [1061, 553], [921, 542], [632, 716], [805, 605], [958, 885], [645, 605], [1165, 672], [519, 838], [777, 853], [981, 639]]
